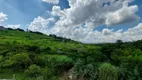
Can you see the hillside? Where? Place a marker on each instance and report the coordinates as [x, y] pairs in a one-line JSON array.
[[21, 45], [35, 56]]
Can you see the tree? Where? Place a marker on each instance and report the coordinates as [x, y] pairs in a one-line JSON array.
[[116, 56], [119, 41]]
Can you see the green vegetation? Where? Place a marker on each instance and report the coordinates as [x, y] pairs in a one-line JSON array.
[[35, 56], [108, 72]]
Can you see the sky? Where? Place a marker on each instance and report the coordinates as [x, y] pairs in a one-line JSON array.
[[88, 21]]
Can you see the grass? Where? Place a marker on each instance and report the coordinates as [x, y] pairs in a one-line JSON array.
[[10, 74]]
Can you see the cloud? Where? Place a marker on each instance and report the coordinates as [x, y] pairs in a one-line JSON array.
[[3, 17], [96, 13], [13, 26], [107, 32], [40, 24], [56, 11], [90, 14], [133, 33], [80, 20], [123, 15], [107, 35], [51, 1], [88, 35]]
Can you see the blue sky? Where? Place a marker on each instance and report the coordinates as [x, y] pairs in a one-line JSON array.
[[21, 11], [24, 12]]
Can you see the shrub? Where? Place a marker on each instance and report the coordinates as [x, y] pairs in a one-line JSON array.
[[21, 60], [108, 72], [33, 71], [85, 71], [6, 64], [1, 58]]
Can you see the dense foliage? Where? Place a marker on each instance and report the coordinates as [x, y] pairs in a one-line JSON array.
[[35, 56]]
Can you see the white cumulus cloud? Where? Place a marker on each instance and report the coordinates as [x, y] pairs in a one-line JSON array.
[[13, 26], [3, 17], [90, 14], [80, 20], [107, 35], [123, 15], [97, 12], [56, 10], [40, 24]]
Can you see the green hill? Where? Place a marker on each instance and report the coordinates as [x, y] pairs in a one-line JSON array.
[[35, 56]]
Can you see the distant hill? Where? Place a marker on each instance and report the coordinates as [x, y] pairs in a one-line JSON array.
[[2, 28], [21, 33]]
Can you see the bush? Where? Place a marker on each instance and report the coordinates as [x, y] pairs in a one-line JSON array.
[[21, 60], [1, 58], [33, 71], [6, 64], [108, 72], [85, 71]]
